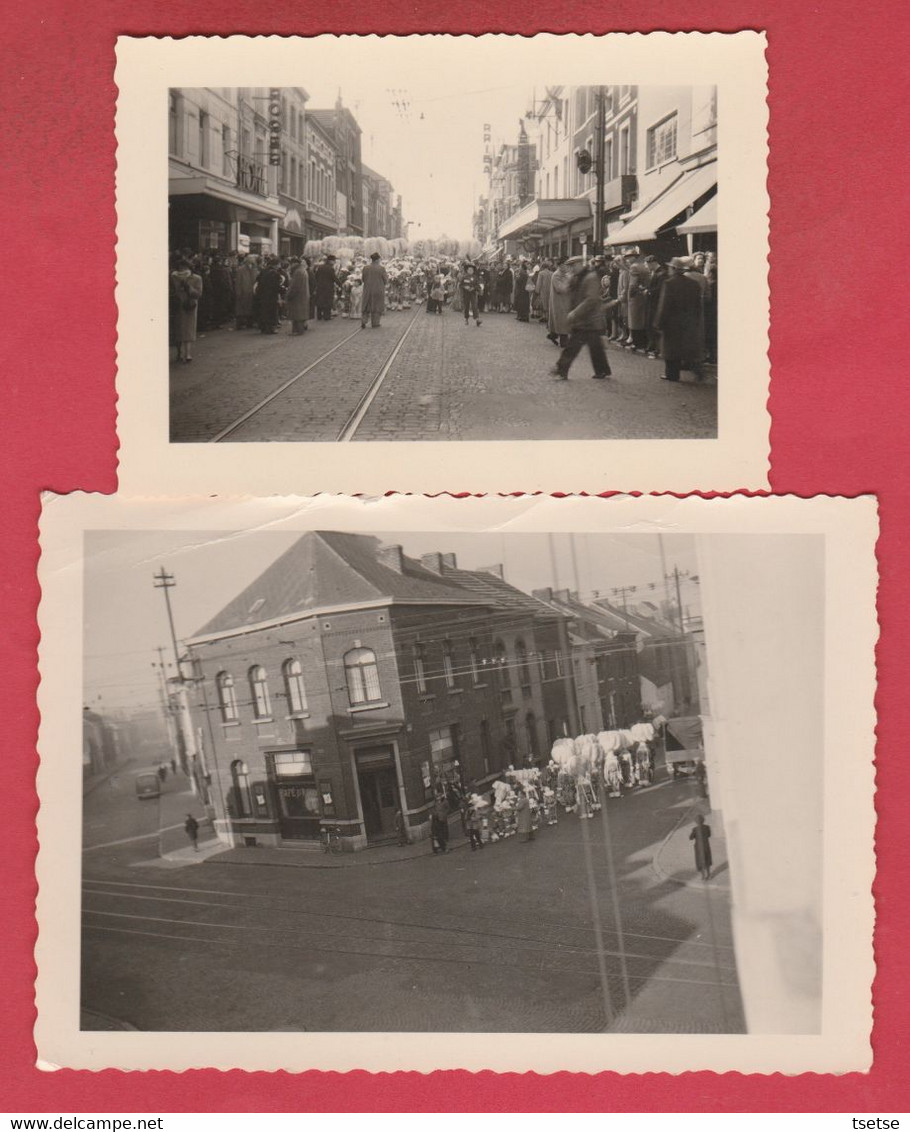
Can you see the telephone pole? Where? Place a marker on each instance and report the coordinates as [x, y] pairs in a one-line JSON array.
[[165, 581], [599, 170]]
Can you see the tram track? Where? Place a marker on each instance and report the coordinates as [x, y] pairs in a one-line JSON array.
[[350, 417]]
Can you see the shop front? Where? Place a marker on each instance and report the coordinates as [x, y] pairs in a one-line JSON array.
[[296, 795], [209, 215], [658, 226]]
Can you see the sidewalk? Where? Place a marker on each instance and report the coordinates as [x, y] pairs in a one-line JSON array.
[[675, 858], [311, 856]]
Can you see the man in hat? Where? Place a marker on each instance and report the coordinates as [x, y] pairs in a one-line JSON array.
[[586, 324], [680, 319], [325, 288], [656, 280], [374, 285]]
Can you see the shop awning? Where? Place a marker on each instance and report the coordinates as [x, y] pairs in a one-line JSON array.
[[658, 213], [255, 205], [704, 220], [543, 216]]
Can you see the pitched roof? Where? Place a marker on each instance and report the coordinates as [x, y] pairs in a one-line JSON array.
[[495, 589], [326, 569]]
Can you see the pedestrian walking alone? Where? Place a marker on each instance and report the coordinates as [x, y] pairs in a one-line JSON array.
[[374, 285], [192, 831], [586, 324], [701, 835], [469, 295]]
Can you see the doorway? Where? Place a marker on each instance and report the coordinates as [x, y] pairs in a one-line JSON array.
[[378, 785]]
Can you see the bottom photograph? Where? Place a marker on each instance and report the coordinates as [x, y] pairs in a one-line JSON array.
[[450, 767]]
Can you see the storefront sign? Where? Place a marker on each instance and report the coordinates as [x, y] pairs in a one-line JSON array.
[[274, 126], [328, 801]]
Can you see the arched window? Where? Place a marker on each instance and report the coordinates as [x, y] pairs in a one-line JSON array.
[[227, 700], [448, 664], [362, 677], [240, 789], [475, 660], [259, 689], [294, 686]]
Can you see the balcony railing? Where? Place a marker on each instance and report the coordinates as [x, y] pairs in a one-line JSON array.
[[252, 176]]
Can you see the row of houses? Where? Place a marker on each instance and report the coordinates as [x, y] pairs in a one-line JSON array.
[[660, 173], [351, 680], [256, 169]]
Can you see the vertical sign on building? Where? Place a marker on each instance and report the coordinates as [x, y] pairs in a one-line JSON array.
[[487, 150], [274, 126]]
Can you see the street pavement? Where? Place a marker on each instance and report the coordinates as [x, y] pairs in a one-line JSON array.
[[519, 937], [449, 381]]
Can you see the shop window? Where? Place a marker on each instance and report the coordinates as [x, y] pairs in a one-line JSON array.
[[448, 664], [294, 687], [259, 689], [227, 699], [362, 677], [662, 142], [240, 803], [444, 757]]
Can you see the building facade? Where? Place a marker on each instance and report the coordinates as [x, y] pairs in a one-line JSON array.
[[340, 124], [321, 216], [676, 154], [222, 186], [293, 171], [350, 681]]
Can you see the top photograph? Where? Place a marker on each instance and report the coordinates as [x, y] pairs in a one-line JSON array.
[[449, 251]]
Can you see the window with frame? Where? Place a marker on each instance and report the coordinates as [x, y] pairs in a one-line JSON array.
[[292, 764], [173, 123], [240, 781], [625, 155], [362, 677], [294, 687], [474, 654], [443, 746], [557, 661], [203, 139], [259, 690], [662, 142], [485, 745], [524, 669], [227, 167], [448, 664], [227, 698], [420, 668], [581, 105]]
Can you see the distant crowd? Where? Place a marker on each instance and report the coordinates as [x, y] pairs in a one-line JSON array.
[[635, 301]]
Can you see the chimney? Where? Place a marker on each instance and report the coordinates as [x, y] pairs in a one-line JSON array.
[[561, 595], [433, 561], [392, 556], [450, 561], [544, 594], [496, 571]]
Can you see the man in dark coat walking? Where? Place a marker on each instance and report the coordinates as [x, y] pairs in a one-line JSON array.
[[325, 288], [586, 324], [680, 319], [268, 293]]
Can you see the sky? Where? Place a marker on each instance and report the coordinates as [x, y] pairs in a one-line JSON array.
[[126, 620], [427, 139]]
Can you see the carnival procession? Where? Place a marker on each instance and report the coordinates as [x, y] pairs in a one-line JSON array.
[[579, 776], [586, 223]]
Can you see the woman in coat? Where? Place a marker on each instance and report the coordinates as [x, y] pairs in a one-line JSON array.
[[244, 290], [561, 303], [523, 817], [701, 835], [638, 306], [504, 283], [186, 287], [297, 300], [521, 300]]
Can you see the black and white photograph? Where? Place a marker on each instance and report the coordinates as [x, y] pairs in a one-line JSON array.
[[497, 774], [374, 262], [498, 242]]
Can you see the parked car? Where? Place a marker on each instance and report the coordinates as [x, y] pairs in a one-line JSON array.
[[684, 745], [148, 785]]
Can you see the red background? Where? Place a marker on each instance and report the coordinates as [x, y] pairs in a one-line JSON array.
[[839, 399]]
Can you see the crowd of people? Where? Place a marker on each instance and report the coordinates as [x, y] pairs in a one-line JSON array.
[[637, 302]]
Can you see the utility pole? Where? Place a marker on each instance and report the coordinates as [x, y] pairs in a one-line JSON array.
[[165, 581], [599, 170], [678, 600], [623, 591]]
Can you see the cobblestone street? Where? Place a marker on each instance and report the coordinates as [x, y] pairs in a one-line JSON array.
[[448, 381], [500, 940]]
